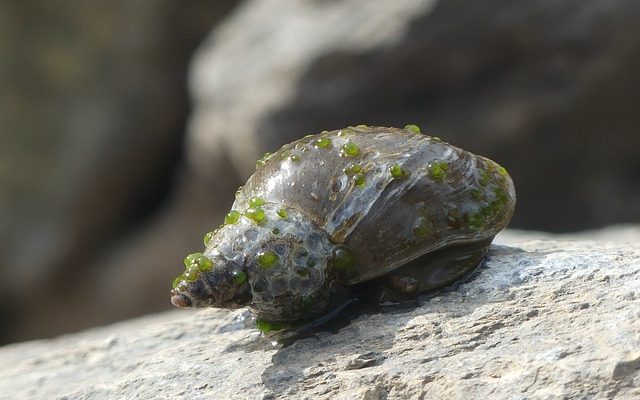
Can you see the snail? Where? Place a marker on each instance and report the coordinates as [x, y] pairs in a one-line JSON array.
[[331, 211]]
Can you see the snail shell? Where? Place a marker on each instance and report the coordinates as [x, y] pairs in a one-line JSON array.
[[332, 210]]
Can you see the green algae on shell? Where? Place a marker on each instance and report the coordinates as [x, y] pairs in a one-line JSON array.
[[398, 172], [352, 169], [412, 128], [256, 214], [438, 170], [359, 180], [350, 149], [207, 238], [231, 218], [266, 259], [262, 161], [322, 143], [358, 204]]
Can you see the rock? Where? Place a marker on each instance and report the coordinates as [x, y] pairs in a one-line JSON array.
[[546, 89], [621, 234], [541, 319]]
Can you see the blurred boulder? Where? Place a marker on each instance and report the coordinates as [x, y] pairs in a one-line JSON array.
[[92, 112], [548, 89]]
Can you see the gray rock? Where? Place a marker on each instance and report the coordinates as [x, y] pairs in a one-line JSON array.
[[543, 319], [620, 234]]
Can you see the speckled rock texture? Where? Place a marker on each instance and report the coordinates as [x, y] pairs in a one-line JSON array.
[[542, 319]]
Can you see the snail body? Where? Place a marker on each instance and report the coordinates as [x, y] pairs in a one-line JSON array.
[[333, 210]]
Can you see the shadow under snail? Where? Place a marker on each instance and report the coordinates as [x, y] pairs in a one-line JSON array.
[[330, 211]]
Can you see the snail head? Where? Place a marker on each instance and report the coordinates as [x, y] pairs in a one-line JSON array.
[[211, 283]]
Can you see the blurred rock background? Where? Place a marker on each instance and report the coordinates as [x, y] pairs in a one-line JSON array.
[[109, 174]]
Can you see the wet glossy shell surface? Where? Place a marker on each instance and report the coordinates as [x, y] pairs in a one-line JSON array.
[[389, 195], [336, 209]]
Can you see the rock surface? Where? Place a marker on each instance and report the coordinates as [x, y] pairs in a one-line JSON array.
[[543, 319]]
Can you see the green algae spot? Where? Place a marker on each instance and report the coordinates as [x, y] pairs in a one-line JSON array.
[[294, 158], [487, 174], [438, 170], [502, 171], [359, 180], [477, 194], [263, 160], [412, 128], [191, 259], [302, 270], [352, 169], [362, 126], [239, 278], [191, 273], [232, 217], [349, 149], [343, 258], [256, 214], [285, 153], [398, 172], [479, 219], [485, 178], [346, 131], [177, 281], [197, 262], [266, 326], [423, 227], [475, 221], [322, 143], [395, 170], [266, 259], [207, 238], [501, 196], [282, 213], [493, 208], [204, 263], [256, 202]]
